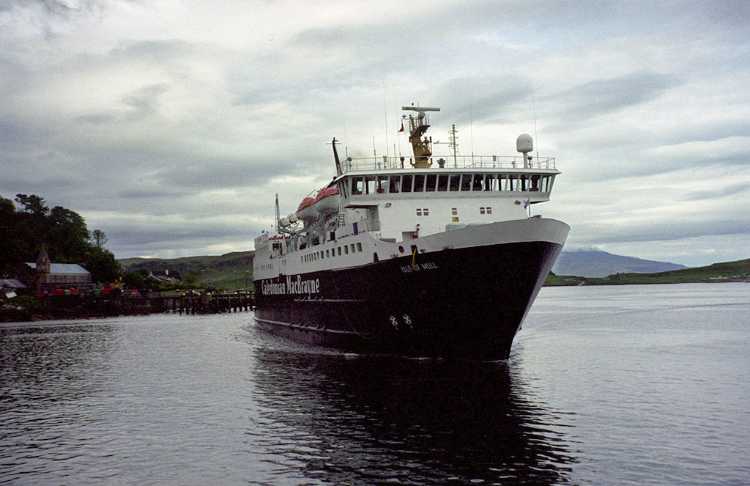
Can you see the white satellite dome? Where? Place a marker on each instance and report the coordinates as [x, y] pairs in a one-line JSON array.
[[524, 143]]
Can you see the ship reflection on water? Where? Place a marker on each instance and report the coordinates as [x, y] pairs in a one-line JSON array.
[[378, 419]]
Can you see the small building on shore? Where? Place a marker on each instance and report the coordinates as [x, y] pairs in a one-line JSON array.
[[46, 277]]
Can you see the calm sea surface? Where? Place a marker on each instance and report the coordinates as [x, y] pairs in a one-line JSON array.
[[606, 385]]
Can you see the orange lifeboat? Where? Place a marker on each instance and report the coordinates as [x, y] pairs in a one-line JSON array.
[[327, 201], [305, 209]]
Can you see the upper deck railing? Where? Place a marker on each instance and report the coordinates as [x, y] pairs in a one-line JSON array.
[[363, 164]]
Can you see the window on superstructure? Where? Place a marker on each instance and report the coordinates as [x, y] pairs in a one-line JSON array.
[[489, 210], [431, 182], [359, 246], [419, 183], [419, 211], [455, 182], [382, 184], [322, 255], [490, 182], [481, 210], [395, 185], [346, 250], [478, 182], [534, 183], [328, 253], [352, 247], [425, 211], [454, 211], [371, 184], [442, 183], [406, 183], [358, 185], [339, 250], [466, 182], [524, 183]]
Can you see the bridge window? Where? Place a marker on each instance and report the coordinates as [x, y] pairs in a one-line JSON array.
[[431, 181], [382, 184], [455, 182], [371, 184], [358, 185], [442, 184], [466, 182], [419, 183], [534, 183], [490, 182], [478, 182], [406, 183], [395, 184]]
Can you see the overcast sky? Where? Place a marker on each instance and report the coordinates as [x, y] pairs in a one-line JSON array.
[[170, 124]]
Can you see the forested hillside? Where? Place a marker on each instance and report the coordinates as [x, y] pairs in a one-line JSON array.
[[27, 223]]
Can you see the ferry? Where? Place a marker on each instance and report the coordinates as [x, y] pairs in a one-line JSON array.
[[426, 255]]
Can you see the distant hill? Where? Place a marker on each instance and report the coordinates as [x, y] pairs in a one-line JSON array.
[[595, 263], [230, 271], [737, 271]]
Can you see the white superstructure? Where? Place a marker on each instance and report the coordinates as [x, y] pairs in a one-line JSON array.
[[385, 207]]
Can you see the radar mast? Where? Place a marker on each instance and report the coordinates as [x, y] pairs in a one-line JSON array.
[[418, 126]]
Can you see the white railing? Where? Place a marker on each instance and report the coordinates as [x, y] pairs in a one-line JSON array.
[[449, 162]]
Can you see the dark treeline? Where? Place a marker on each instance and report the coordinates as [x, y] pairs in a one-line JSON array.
[[29, 223]]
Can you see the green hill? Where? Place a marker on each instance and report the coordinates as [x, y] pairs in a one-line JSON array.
[[737, 271], [230, 271]]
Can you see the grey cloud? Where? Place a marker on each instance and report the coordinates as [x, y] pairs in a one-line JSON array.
[[224, 174], [604, 96], [481, 98], [717, 192], [144, 100], [661, 230]]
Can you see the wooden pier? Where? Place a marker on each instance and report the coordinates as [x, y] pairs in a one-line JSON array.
[[213, 303]]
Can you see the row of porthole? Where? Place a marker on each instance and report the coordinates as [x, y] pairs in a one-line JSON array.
[[454, 211], [331, 252]]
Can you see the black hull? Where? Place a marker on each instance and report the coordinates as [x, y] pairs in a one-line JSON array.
[[466, 303]]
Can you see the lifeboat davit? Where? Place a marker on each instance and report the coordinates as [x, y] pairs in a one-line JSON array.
[[327, 201]]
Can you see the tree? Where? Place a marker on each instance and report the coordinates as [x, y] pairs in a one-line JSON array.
[[67, 235], [10, 245], [102, 265], [100, 239], [32, 204]]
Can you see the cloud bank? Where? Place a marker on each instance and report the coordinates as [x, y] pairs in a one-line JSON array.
[[170, 125]]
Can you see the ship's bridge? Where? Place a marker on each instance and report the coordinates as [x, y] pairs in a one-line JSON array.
[[466, 176], [402, 202]]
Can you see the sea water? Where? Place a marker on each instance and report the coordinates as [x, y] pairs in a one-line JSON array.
[[605, 385]]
